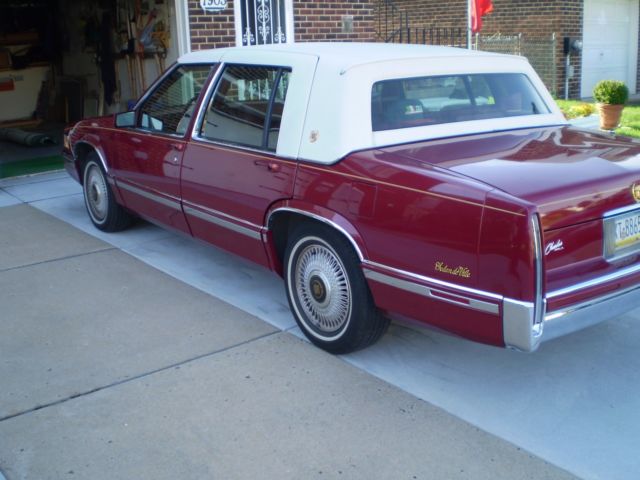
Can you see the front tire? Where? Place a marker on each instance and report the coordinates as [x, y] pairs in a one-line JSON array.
[[328, 293], [104, 211]]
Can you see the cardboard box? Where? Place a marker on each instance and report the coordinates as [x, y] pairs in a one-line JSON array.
[[7, 85]]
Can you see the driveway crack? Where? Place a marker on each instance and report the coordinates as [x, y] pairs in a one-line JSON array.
[[52, 260], [138, 377]]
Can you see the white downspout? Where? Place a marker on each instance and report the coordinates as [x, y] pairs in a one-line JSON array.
[[469, 32], [182, 26]]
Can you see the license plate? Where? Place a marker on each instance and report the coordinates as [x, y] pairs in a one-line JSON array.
[[622, 234]]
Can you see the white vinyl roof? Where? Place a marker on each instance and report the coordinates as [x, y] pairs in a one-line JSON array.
[[328, 109], [342, 55]]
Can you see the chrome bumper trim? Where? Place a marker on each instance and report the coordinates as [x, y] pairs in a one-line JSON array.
[[583, 315], [519, 327], [520, 333], [596, 281]]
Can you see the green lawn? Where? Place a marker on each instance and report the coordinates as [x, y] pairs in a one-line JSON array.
[[576, 108], [27, 167], [629, 123]]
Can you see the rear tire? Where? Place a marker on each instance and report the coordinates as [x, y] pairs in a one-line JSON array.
[[105, 213], [327, 291]]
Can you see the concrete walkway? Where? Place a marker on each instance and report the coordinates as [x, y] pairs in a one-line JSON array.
[[112, 369]]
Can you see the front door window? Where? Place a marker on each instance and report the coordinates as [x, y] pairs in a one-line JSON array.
[[168, 109]]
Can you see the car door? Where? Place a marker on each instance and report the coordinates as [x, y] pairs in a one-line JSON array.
[[234, 168], [147, 157]]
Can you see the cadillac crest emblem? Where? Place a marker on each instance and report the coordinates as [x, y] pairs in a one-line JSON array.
[[635, 191]]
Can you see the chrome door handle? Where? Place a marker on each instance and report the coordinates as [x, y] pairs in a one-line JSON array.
[[271, 166]]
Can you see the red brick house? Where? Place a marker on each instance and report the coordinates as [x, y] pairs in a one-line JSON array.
[[244, 22], [608, 29]]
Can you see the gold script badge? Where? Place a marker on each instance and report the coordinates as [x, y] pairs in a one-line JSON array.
[[635, 191], [458, 271]]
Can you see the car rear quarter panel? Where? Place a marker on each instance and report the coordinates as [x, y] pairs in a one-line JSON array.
[[416, 219], [409, 218], [505, 251]]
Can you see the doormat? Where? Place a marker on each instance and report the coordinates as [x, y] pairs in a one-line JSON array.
[[32, 165]]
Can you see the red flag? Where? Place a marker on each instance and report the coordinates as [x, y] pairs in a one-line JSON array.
[[479, 8]]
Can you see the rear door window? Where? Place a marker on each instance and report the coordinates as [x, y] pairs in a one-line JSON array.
[[246, 107], [410, 102]]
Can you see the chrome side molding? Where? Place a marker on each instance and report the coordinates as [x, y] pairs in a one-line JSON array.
[[433, 293]]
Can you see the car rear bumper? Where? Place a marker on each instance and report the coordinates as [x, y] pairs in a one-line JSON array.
[[522, 333], [592, 312], [493, 319]]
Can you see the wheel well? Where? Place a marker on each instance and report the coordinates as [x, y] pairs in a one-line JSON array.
[[81, 151], [281, 224]]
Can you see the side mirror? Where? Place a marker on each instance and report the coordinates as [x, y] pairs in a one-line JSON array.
[[126, 119]]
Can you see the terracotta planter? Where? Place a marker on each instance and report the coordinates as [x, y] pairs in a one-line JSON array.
[[609, 115]]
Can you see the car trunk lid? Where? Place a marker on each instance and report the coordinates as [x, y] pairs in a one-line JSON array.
[[572, 176]]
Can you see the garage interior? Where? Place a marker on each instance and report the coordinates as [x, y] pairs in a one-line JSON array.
[[65, 60]]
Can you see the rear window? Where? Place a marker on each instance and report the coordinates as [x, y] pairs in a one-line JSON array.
[[412, 102]]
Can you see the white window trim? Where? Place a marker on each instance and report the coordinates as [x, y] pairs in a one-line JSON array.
[[288, 21]]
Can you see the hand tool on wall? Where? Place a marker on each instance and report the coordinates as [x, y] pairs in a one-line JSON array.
[[132, 79], [139, 46]]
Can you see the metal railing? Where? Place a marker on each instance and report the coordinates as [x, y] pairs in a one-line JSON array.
[[393, 23], [540, 51], [393, 26], [443, 36]]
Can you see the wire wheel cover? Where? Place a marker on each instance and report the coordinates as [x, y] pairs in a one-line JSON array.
[[322, 288], [96, 193]]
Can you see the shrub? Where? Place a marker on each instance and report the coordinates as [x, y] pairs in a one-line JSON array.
[[612, 92], [582, 110]]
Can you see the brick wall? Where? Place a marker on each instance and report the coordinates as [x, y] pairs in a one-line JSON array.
[[425, 13], [535, 20], [571, 26], [509, 16], [317, 20], [313, 21], [211, 29]]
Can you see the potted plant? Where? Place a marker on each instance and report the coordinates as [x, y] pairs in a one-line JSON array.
[[610, 95]]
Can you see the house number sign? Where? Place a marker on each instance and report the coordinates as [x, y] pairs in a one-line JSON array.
[[213, 5]]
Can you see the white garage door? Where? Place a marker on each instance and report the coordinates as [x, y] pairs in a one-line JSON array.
[[610, 38]]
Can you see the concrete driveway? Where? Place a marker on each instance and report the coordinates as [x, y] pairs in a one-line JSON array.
[[148, 355]]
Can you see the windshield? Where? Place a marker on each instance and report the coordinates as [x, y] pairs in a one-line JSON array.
[[412, 102]]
